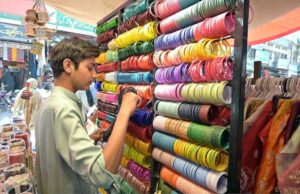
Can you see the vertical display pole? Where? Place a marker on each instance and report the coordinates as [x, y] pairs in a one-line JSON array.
[[238, 95]]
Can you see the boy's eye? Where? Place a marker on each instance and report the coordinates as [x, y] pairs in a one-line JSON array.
[[91, 68]]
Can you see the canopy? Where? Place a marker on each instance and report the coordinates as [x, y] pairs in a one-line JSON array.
[[269, 19], [272, 19]]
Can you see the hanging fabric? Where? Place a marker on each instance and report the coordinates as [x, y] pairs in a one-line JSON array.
[[266, 175]]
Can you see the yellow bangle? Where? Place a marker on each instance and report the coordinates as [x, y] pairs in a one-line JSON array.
[[184, 92], [205, 98], [224, 93], [214, 93], [191, 92], [198, 92]]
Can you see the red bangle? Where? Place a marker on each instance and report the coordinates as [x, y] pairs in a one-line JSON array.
[[214, 69], [201, 70], [207, 71]]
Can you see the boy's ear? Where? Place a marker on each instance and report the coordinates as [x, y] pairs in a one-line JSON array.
[[67, 64]]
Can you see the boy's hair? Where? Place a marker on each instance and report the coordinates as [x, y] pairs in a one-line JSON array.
[[74, 49]]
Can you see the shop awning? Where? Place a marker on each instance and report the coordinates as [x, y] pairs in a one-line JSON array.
[[272, 19]]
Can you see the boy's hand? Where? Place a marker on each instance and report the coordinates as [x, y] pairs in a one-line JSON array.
[[97, 134], [130, 101]]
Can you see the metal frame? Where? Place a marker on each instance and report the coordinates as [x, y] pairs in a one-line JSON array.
[[238, 92], [238, 95]]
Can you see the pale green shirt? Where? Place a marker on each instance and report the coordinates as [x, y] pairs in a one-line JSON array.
[[67, 159]]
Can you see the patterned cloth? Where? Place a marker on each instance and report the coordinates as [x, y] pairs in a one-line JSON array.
[[253, 148], [14, 54], [266, 175]]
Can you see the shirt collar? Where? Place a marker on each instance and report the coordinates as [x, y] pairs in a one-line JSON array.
[[65, 92]]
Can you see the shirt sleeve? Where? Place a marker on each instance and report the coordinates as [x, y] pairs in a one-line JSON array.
[[78, 150]]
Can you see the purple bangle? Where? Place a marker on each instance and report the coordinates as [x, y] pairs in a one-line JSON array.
[[183, 69], [191, 35], [158, 76], [181, 37], [177, 73], [142, 173], [169, 75], [186, 73], [164, 75], [157, 42]]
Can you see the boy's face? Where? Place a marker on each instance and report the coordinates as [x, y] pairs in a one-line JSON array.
[[84, 75]]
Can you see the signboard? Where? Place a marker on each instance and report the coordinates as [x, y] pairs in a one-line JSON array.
[[13, 33], [263, 56], [58, 20], [283, 63]]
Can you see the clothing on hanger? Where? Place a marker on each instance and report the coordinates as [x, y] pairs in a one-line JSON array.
[[291, 127], [288, 165], [266, 174], [252, 148]]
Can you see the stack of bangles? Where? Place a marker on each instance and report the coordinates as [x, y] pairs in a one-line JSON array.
[[193, 14], [208, 179], [106, 36], [107, 97], [102, 123], [213, 93], [143, 133], [108, 67], [113, 23], [140, 146], [142, 117], [110, 87], [165, 188], [163, 9], [105, 116], [107, 57], [108, 77], [135, 21], [137, 170], [144, 91], [140, 172], [205, 49], [136, 63], [134, 182], [139, 158], [125, 187], [136, 9], [213, 136], [205, 156], [136, 78], [218, 69], [141, 33], [185, 111], [219, 26], [124, 161], [181, 183], [137, 48], [110, 108]]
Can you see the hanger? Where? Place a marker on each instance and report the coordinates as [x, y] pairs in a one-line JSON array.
[[292, 86], [248, 87], [279, 84], [271, 85], [287, 87], [263, 88], [257, 88], [297, 89]]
